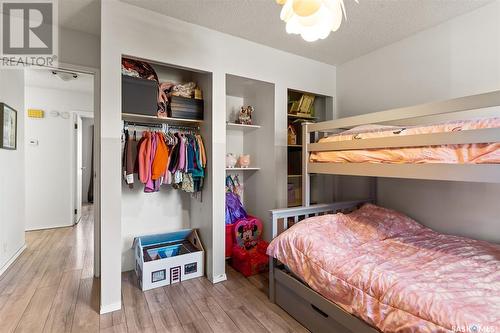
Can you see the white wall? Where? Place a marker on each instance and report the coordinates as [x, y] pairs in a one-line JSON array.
[[457, 58], [134, 31], [50, 165], [12, 218], [79, 48]]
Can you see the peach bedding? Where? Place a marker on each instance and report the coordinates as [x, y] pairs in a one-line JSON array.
[[394, 273], [470, 153]]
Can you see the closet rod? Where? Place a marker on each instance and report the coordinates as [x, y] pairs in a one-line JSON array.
[[143, 124]]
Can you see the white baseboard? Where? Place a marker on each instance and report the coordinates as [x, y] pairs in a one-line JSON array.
[[219, 278], [49, 227], [110, 307], [11, 260]]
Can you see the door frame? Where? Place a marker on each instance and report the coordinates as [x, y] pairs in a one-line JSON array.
[[78, 147], [97, 156]]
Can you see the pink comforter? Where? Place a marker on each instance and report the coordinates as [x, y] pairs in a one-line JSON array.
[[394, 273], [471, 153]]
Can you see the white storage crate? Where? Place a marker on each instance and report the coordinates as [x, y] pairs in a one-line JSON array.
[[168, 258]]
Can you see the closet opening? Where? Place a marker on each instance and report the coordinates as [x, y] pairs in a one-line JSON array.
[[166, 116]]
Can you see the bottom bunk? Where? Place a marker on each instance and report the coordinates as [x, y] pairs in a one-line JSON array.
[[376, 269]]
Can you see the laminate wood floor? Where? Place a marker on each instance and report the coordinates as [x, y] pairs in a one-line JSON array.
[[51, 288]]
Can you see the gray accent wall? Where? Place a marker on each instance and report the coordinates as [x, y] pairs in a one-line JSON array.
[[457, 58]]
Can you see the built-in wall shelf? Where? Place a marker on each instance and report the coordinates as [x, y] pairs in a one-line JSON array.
[[321, 109], [241, 127], [157, 120], [243, 169], [291, 115]]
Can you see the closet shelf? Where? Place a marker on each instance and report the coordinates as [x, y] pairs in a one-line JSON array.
[[300, 176], [154, 119], [294, 116], [243, 169], [294, 146], [241, 127]]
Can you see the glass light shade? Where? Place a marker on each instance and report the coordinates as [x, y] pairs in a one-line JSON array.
[[337, 16], [318, 25], [306, 7], [287, 11]]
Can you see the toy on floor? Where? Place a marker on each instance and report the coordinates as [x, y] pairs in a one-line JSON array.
[[249, 251]]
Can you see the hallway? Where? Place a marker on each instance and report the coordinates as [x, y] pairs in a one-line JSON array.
[[50, 288]]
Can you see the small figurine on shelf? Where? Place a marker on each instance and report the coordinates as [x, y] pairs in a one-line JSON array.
[[245, 115], [230, 160], [244, 161]]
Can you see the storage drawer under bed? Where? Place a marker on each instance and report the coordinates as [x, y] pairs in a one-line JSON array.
[[312, 310]]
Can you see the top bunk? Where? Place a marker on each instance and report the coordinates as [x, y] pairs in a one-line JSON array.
[[453, 140]]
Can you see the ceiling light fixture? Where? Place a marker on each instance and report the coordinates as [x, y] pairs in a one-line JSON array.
[[65, 76], [312, 19]]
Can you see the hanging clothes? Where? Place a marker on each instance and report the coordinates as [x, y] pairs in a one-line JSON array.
[[143, 157], [177, 158], [124, 156], [161, 157], [150, 186], [128, 159]]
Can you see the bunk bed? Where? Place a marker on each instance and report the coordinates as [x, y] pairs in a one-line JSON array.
[[454, 140]]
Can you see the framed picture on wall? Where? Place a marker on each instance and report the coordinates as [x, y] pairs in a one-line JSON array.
[[8, 127]]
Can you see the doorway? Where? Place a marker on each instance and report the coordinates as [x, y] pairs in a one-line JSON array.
[[59, 157], [44, 254], [57, 101], [84, 169]]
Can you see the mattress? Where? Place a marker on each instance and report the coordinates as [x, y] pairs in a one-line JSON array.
[[488, 153], [394, 273]]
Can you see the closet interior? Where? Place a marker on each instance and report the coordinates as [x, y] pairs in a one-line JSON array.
[[305, 107], [255, 140], [175, 105]]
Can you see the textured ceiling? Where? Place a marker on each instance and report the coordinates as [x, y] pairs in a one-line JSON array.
[[80, 15], [370, 25]]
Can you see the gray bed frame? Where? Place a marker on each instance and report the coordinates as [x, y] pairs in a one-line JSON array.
[[312, 310], [307, 306]]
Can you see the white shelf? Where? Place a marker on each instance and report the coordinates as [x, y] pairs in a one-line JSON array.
[[243, 169], [241, 127], [158, 120]]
